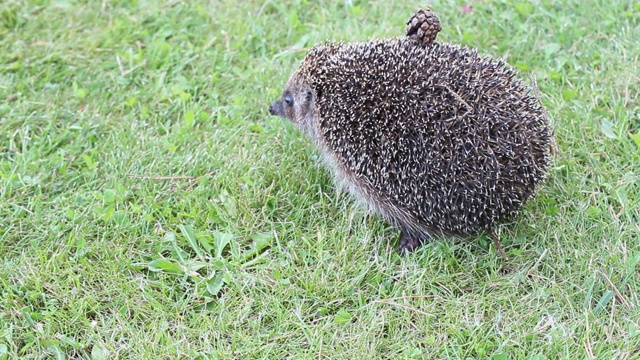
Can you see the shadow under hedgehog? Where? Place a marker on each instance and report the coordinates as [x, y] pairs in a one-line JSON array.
[[431, 136]]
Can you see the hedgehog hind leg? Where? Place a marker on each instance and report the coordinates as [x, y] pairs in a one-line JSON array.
[[410, 240]]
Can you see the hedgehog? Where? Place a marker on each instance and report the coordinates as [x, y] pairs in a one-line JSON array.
[[431, 136]]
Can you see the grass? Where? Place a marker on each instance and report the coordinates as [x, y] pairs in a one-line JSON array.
[[150, 207]]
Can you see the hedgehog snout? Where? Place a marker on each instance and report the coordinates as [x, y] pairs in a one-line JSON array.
[[273, 109], [276, 109]]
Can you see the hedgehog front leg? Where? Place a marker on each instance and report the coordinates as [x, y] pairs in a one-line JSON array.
[[409, 241]]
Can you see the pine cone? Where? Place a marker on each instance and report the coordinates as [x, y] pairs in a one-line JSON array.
[[423, 26]]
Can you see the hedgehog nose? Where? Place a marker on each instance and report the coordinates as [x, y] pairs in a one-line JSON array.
[[271, 110]]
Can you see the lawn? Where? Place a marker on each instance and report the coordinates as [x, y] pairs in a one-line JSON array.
[[150, 208]]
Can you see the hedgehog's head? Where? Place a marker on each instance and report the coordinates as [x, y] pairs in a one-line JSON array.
[[297, 102]]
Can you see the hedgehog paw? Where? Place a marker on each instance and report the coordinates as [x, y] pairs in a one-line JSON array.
[[409, 241]]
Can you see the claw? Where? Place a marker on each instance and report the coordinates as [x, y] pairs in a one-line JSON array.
[[409, 241]]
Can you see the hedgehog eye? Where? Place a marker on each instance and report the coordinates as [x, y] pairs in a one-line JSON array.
[[309, 95], [289, 100]]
